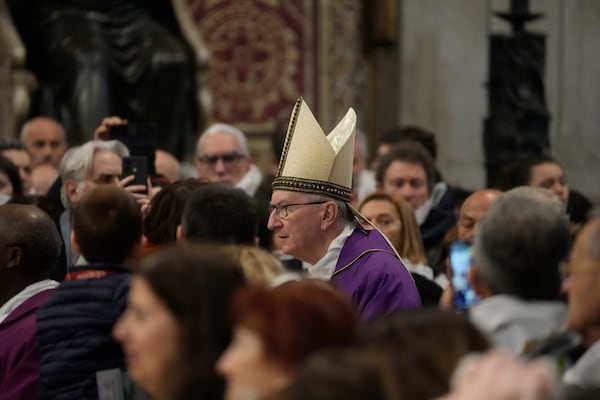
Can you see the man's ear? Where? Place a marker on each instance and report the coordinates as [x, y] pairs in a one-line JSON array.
[[71, 191], [179, 234], [14, 256], [477, 284], [329, 214]]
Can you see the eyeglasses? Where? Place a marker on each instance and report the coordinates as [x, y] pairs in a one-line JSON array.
[[568, 269], [228, 158], [282, 209]]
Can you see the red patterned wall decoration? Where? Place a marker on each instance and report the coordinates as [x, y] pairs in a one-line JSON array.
[[262, 58]]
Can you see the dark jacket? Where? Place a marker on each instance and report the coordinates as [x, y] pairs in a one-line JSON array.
[[74, 331]]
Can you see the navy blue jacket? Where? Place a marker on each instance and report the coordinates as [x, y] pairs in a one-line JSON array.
[[74, 331]]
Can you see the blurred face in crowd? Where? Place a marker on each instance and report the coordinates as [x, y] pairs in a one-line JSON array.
[[220, 159], [384, 215], [106, 170], [149, 334], [550, 176], [381, 151], [582, 285], [296, 225], [42, 177], [472, 212], [22, 161], [6, 187], [249, 372], [45, 141], [408, 180]]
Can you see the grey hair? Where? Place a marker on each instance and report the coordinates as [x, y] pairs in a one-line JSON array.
[[539, 194], [78, 162], [344, 214], [519, 246], [215, 129]]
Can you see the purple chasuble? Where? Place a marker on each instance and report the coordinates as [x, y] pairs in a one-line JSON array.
[[369, 272]]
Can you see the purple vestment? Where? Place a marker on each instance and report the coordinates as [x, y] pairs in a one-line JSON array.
[[19, 358], [371, 274]]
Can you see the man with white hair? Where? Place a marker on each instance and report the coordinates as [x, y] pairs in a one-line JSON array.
[[222, 156], [83, 168]]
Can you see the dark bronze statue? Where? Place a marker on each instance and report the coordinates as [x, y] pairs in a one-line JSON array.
[[95, 58]]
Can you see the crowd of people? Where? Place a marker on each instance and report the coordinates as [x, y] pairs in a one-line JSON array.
[[326, 278]]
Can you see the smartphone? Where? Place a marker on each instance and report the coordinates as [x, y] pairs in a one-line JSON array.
[[460, 262], [138, 167], [141, 139]]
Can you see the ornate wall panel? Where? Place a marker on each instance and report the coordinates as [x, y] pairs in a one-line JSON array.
[[262, 58]]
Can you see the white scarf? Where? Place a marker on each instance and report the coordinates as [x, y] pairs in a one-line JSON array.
[[23, 295]]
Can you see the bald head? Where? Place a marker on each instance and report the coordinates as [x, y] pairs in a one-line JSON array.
[[473, 210], [30, 247], [45, 140], [33, 231], [167, 165]]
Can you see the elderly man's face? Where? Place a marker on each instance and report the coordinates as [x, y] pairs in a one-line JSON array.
[[583, 288], [472, 212], [298, 233], [45, 142], [22, 161], [408, 180], [106, 170], [220, 159]]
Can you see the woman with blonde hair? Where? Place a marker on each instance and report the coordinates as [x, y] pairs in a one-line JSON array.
[[260, 267], [395, 217]]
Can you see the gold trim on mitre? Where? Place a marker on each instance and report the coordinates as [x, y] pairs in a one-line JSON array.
[[313, 162]]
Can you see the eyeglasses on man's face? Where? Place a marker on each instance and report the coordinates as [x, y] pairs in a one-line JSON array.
[[569, 269], [228, 158], [282, 209]]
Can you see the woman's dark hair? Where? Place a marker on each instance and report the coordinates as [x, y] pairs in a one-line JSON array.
[[165, 210], [12, 173], [195, 283]]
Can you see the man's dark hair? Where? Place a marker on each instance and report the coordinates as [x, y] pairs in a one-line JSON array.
[[524, 167], [411, 152], [414, 133], [107, 224], [220, 213], [165, 210]]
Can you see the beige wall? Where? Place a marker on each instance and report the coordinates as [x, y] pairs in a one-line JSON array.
[[444, 68]]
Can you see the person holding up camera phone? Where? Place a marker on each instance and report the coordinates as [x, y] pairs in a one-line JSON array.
[[138, 167], [459, 294]]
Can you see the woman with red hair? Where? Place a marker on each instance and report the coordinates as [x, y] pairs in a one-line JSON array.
[[276, 329]]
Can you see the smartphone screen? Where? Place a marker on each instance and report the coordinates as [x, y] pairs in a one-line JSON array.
[[460, 262]]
